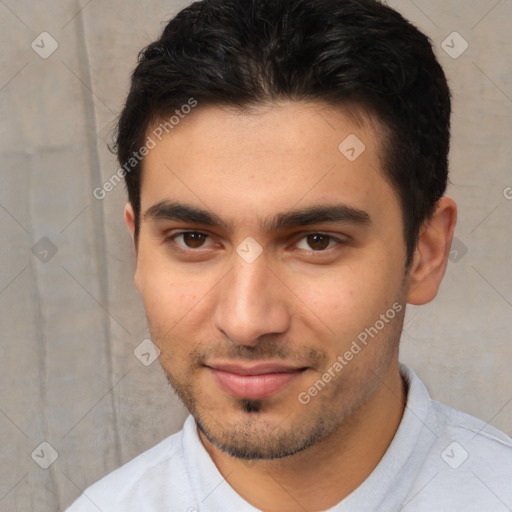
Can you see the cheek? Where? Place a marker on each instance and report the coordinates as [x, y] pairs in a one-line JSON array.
[[168, 300], [163, 286], [174, 302], [350, 299]]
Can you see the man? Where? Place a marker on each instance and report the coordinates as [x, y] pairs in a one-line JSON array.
[[286, 162]]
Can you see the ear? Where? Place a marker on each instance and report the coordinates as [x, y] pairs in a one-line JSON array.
[[431, 255], [129, 219]]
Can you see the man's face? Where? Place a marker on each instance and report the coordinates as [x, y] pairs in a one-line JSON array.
[[247, 326]]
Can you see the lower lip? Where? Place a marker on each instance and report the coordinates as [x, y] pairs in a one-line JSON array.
[[253, 387]]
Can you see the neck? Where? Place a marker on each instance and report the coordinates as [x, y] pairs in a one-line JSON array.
[[321, 476]]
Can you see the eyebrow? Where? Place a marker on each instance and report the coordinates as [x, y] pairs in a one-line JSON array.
[[167, 210]]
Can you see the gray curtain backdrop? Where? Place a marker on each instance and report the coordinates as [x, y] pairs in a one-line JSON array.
[[76, 401]]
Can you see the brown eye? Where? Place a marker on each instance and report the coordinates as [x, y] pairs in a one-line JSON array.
[[318, 242], [193, 240]]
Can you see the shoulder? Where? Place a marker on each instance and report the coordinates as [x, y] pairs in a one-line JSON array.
[[480, 438], [469, 466], [473, 440], [459, 462], [144, 483], [444, 423]]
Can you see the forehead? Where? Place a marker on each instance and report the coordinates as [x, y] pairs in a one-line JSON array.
[[250, 164]]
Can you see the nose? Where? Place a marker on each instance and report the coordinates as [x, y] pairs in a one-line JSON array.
[[251, 303]]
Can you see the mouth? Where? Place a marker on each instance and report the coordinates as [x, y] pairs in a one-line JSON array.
[[254, 381]]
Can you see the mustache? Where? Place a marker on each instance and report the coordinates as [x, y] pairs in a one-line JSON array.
[[265, 350]]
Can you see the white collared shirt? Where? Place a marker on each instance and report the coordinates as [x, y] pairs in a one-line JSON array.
[[440, 460]]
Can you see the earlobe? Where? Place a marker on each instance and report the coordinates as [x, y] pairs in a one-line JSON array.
[[431, 255]]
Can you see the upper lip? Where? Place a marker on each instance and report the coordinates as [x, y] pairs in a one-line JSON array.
[[255, 369]]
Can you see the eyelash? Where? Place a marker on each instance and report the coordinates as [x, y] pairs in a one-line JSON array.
[[170, 240]]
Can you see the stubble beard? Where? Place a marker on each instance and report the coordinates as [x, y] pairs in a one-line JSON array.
[[256, 438]]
